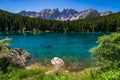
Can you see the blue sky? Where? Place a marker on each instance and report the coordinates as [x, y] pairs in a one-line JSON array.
[[37, 5]]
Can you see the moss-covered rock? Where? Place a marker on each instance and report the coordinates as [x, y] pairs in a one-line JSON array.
[[17, 56]]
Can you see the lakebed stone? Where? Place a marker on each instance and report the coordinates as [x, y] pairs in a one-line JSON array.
[[57, 61], [57, 65]]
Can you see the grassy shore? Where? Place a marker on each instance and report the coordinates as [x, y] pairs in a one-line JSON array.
[[38, 72]]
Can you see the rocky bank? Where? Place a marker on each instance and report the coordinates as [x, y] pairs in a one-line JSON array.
[[17, 57]]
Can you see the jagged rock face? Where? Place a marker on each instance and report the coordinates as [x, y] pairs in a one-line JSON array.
[[17, 57], [29, 13], [105, 13], [49, 14], [21, 57], [65, 14], [90, 13]]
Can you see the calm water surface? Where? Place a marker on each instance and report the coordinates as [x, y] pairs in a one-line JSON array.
[[71, 47]]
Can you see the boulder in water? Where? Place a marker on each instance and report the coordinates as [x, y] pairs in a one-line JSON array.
[[57, 64], [57, 61]]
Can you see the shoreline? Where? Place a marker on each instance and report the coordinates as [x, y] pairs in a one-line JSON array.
[[73, 68]]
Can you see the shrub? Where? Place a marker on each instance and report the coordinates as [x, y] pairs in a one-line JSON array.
[[108, 49]]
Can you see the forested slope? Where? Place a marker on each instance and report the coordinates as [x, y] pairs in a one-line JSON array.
[[14, 22]]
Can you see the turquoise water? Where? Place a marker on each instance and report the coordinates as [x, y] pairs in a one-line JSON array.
[[71, 47]]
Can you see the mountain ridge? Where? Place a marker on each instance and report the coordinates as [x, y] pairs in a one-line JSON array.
[[10, 22], [65, 14]]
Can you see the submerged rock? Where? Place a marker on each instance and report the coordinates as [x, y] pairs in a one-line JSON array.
[[57, 65], [57, 61]]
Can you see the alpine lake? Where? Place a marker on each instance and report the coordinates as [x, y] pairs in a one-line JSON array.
[[72, 47]]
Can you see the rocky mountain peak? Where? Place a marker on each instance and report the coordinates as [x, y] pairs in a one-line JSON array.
[[28, 13], [69, 11], [105, 13], [65, 14], [49, 13], [89, 13]]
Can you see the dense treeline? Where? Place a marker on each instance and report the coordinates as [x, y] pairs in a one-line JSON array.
[[14, 22]]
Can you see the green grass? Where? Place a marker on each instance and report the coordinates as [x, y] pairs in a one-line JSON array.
[[39, 74]]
